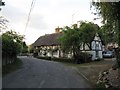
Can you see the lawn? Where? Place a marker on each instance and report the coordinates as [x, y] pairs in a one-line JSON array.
[[91, 70], [11, 67]]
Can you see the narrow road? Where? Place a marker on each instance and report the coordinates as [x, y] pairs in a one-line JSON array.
[[36, 73]]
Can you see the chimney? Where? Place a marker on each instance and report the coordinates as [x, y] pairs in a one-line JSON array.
[[57, 30]]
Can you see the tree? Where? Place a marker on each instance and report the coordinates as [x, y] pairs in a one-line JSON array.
[[88, 31], [107, 34], [11, 46], [110, 12], [25, 48], [70, 41], [73, 37]]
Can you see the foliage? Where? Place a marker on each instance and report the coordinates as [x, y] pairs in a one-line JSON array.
[[45, 58], [56, 59], [70, 41], [88, 31], [67, 60], [11, 44], [24, 47], [107, 34], [110, 12], [83, 57], [74, 37]]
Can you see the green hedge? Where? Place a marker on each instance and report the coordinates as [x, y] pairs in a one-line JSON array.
[[80, 58], [83, 57], [63, 60], [46, 58], [57, 59]]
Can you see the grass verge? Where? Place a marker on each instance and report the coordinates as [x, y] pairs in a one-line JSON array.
[[91, 70], [11, 67]]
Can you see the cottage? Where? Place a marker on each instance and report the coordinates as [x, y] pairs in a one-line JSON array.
[[48, 45], [97, 48]]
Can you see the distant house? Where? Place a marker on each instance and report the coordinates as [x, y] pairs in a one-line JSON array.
[[48, 45], [97, 48]]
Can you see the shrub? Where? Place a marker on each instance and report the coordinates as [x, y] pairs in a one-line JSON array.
[[83, 57], [56, 59], [46, 58], [99, 59], [80, 58], [63, 59]]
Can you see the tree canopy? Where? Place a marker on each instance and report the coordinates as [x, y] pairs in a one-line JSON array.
[[12, 43], [110, 12], [74, 37]]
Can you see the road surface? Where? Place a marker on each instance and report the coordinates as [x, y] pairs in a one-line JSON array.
[[36, 73]]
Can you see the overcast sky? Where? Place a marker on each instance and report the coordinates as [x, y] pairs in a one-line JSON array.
[[45, 16]]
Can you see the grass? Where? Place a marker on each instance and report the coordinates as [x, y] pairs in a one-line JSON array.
[[91, 70], [11, 67]]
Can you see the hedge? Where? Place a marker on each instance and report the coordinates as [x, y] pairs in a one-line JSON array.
[[56, 59]]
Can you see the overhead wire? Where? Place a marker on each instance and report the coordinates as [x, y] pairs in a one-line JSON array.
[[28, 19]]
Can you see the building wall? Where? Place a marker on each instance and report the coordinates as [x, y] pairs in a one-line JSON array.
[[100, 56]]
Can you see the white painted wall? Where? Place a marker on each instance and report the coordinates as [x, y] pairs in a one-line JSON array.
[[56, 54]]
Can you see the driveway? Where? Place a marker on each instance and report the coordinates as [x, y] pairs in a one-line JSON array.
[[36, 73]]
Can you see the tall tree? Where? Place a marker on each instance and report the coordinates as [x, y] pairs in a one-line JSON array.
[[110, 12], [25, 48], [70, 41], [74, 37], [88, 31]]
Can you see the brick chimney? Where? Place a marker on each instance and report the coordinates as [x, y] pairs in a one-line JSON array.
[[57, 30]]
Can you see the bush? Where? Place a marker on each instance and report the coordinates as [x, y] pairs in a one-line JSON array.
[[35, 54], [83, 57], [99, 59], [63, 59], [57, 59], [46, 58]]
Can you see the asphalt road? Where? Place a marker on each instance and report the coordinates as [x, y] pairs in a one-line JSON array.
[[36, 73]]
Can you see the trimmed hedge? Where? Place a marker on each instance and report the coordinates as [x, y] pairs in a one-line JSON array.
[[63, 60], [57, 59], [81, 58], [46, 58]]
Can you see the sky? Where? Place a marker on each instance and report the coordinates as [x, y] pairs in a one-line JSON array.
[[45, 16]]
